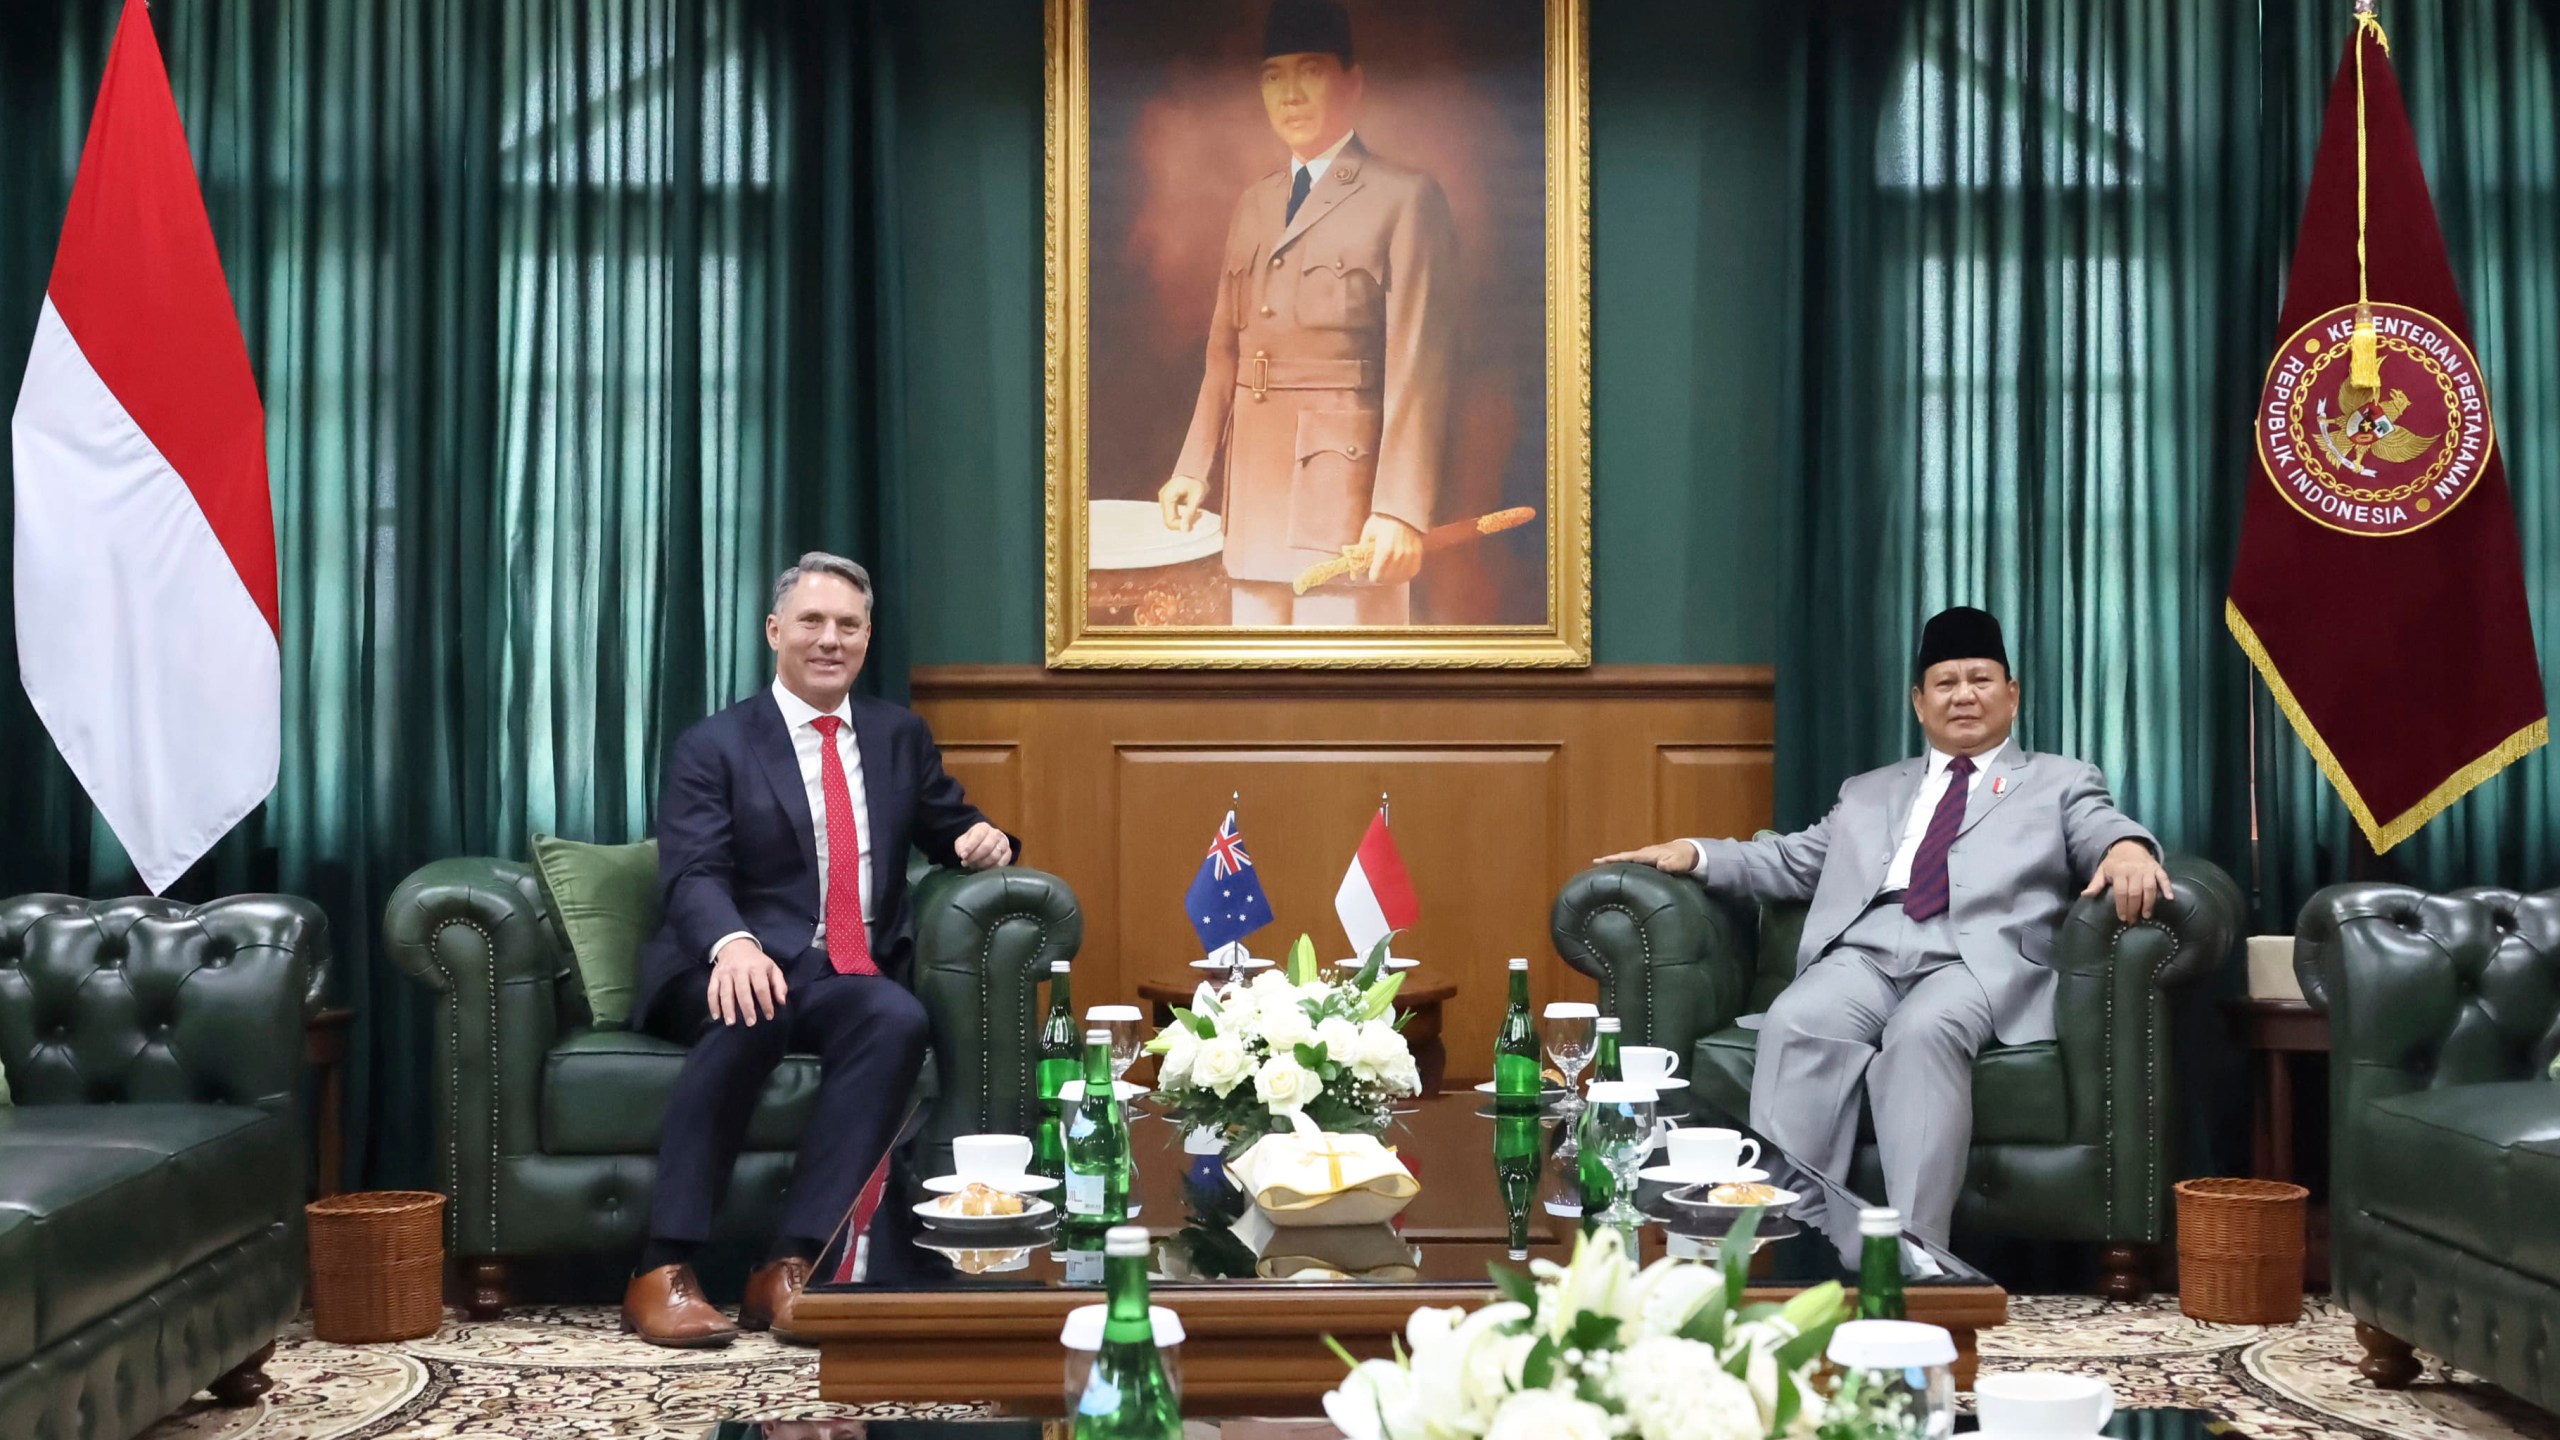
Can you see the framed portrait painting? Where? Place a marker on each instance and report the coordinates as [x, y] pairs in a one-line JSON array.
[[1318, 352]]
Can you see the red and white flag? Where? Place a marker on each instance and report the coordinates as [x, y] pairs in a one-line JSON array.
[[145, 546], [1376, 898]]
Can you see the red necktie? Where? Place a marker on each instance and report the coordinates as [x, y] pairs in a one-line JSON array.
[[1926, 896], [848, 944]]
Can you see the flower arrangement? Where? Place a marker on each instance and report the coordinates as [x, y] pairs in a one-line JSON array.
[[1597, 1350], [1244, 1057]]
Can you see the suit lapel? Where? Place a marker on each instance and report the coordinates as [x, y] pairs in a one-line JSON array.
[[871, 743], [1997, 785], [1906, 790], [1340, 179], [770, 739]]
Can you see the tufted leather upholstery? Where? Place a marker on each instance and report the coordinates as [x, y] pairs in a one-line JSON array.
[[151, 1174], [2444, 1013], [547, 1129], [2071, 1138]]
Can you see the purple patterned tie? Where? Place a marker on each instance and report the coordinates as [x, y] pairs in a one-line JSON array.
[[1926, 896]]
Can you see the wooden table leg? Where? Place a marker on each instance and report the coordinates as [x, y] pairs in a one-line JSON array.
[[2280, 1101], [324, 1044]]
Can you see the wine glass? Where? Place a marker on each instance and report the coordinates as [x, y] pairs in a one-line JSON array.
[[1571, 1032], [1125, 1023], [1617, 1126]]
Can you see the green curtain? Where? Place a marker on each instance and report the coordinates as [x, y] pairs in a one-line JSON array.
[[574, 322], [2042, 248]]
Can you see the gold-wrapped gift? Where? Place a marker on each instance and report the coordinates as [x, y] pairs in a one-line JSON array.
[[1308, 1176], [1327, 1252]]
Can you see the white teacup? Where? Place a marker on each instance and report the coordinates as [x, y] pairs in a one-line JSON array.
[[1648, 1063], [1704, 1150], [2043, 1403], [990, 1157]]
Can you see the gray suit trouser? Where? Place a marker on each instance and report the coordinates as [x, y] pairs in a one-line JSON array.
[[1890, 1005]]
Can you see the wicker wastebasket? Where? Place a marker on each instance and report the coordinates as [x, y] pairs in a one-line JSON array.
[[2240, 1251], [377, 1266]]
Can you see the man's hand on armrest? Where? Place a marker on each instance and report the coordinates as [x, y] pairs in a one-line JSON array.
[[744, 982], [1677, 856], [983, 847], [2131, 870]]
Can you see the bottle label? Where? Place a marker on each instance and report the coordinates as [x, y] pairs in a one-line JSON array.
[[1084, 1267], [1084, 1195]]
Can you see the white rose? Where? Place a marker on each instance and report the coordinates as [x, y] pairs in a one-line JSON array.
[[1181, 1052], [1380, 1051], [1340, 1039], [1283, 1026], [1677, 1390], [1284, 1084], [1271, 983], [1221, 1065], [1549, 1415]]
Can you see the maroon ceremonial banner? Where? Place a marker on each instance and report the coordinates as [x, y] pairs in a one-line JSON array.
[[2380, 588]]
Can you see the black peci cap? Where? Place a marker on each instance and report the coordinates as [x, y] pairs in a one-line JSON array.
[[1959, 632], [1307, 27]]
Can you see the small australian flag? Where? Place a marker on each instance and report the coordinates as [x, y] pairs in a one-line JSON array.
[[1225, 901]]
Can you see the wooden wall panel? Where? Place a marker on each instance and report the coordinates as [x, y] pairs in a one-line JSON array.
[[1503, 786]]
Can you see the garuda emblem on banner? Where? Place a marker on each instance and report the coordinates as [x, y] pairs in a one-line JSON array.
[[2382, 457]]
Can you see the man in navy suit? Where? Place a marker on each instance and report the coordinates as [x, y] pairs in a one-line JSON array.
[[782, 845]]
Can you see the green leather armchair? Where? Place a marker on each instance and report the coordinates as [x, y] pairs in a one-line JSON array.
[[2444, 1190], [151, 1168], [2071, 1136], [547, 1127]]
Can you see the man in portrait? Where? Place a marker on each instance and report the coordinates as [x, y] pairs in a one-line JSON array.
[[1330, 351]]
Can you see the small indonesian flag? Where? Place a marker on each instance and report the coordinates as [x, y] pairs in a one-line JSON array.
[[145, 544], [1376, 898]]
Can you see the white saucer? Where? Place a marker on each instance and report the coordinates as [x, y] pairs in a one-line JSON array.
[[1251, 964], [1545, 1091], [1073, 1091], [1011, 1184], [1033, 1211], [1674, 1175]]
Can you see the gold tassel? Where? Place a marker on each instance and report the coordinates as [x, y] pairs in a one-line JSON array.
[[2364, 349], [2364, 355]]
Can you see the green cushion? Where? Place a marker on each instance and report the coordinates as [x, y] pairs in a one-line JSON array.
[[607, 899], [2017, 1089], [2463, 1140]]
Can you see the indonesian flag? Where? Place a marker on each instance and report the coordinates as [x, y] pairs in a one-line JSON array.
[[145, 546], [2380, 587], [1376, 898]]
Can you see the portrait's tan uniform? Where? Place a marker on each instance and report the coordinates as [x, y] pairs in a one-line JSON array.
[[1328, 375]]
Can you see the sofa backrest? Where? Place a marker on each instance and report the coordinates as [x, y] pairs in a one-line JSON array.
[[146, 1000]]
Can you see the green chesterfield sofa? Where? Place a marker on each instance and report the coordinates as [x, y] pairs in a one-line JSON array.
[[2444, 1189], [2071, 1136], [547, 1127], [151, 1169]]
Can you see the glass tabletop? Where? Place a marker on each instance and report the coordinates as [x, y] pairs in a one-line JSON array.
[[994, 1428], [1207, 1232]]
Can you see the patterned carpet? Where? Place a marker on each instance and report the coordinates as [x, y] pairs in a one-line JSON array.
[[564, 1373]]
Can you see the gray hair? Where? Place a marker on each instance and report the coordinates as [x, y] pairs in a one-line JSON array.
[[819, 562]]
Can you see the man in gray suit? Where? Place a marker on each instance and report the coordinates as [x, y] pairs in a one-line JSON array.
[[1936, 886]]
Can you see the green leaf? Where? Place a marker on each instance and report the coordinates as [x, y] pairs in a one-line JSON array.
[[1302, 962], [1592, 1331], [1379, 997], [1789, 1402], [1376, 963], [1310, 1056], [1807, 1346], [1706, 1324], [1539, 1370], [1751, 1314], [1736, 1256], [1514, 1285]]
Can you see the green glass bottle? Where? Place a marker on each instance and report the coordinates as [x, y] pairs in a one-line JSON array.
[[1517, 1158], [1515, 1051], [1058, 1036], [1880, 1264], [1128, 1396], [1605, 1064], [1079, 1252], [1098, 1167], [1599, 1186]]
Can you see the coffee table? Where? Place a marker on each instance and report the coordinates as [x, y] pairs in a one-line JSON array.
[[921, 1327]]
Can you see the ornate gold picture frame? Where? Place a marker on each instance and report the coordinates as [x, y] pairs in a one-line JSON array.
[[1318, 356]]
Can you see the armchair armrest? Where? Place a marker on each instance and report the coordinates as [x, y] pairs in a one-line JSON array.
[[984, 940], [2111, 1022], [475, 931], [1673, 965]]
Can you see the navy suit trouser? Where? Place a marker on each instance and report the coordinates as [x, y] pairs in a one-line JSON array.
[[869, 1034]]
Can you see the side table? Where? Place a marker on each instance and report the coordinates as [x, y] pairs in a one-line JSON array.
[[2280, 1031], [1421, 1033], [324, 1045]]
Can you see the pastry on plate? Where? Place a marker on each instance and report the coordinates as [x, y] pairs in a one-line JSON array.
[[1742, 1194], [983, 1199]]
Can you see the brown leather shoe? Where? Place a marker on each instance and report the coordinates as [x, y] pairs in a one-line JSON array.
[[770, 1292], [665, 1307]]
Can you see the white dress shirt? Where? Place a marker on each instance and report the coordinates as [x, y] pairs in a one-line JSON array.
[[799, 716], [1315, 168], [1924, 808]]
